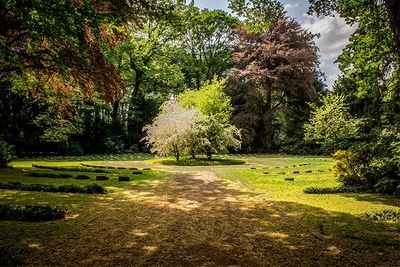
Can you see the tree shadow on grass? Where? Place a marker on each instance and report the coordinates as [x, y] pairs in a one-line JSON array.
[[193, 219], [381, 199]]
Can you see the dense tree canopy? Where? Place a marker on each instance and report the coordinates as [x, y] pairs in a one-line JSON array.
[[273, 72]]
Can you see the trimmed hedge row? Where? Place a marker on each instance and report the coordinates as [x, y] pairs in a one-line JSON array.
[[76, 169], [31, 213], [384, 215], [334, 190], [48, 175], [71, 188]]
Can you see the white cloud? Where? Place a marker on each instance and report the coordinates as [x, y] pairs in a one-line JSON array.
[[290, 6], [334, 36]]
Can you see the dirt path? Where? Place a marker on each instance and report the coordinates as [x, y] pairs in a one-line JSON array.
[[190, 219]]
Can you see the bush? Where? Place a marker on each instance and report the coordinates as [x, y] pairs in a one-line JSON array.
[[379, 175], [71, 188], [385, 215], [347, 168], [31, 213], [72, 169], [123, 179], [49, 175], [6, 153], [201, 162], [334, 190]]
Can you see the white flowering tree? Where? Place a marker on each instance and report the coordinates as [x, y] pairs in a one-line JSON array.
[[173, 130]]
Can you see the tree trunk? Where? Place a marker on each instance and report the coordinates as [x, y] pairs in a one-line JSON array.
[[268, 128], [393, 10]]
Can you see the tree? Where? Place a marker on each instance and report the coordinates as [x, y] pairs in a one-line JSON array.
[[210, 100], [331, 124], [171, 130], [215, 134], [207, 43], [258, 15], [274, 68], [353, 10], [217, 137]]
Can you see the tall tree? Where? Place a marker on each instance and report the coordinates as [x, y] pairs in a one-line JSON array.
[[274, 67], [207, 44], [353, 10]]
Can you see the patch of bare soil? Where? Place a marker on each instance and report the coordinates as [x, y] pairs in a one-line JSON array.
[[194, 219]]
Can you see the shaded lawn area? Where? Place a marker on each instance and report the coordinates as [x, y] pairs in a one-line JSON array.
[[194, 219]]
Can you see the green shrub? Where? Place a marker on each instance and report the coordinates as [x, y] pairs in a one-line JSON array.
[[71, 188], [30, 213], [347, 168], [71, 169], [334, 190], [6, 153], [123, 179], [48, 175], [385, 215], [102, 178], [201, 162]]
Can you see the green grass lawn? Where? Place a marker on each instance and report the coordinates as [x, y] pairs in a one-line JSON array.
[[337, 217], [269, 179]]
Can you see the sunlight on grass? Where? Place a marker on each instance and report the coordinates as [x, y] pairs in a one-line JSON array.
[[268, 177]]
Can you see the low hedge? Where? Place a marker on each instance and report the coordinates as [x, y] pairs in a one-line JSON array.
[[334, 190], [31, 213], [48, 175], [384, 215], [200, 162], [70, 188], [72, 169]]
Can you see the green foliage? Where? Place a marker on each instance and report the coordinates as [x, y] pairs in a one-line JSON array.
[[384, 215], [347, 168], [210, 100], [71, 188], [334, 190], [31, 213], [331, 124], [380, 175], [200, 162], [6, 153], [258, 14], [48, 175]]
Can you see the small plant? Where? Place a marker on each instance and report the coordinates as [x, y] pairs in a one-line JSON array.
[[30, 213], [137, 172], [309, 171], [295, 172], [385, 215], [289, 179], [123, 179]]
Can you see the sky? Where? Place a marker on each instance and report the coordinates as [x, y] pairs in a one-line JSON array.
[[334, 32]]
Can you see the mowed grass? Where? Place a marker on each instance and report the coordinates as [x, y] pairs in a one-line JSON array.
[[267, 175]]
